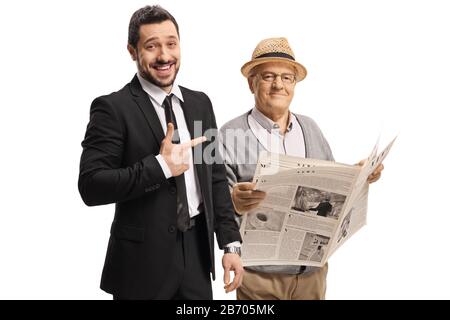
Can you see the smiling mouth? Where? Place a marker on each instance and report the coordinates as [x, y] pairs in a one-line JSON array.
[[163, 67]]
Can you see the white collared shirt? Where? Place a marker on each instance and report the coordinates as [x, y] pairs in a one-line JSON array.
[[157, 96], [268, 133]]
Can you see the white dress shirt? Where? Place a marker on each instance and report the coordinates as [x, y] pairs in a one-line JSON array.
[[268, 133], [157, 96]]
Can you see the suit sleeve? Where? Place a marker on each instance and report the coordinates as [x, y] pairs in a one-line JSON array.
[[102, 180], [226, 228]]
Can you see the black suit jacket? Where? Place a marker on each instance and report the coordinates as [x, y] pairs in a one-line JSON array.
[[118, 165]]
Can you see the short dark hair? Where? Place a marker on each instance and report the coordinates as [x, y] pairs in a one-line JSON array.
[[147, 15]]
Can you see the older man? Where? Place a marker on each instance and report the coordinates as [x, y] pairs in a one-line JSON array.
[[272, 76]]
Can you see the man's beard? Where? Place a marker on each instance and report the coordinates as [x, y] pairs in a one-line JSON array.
[[147, 76]]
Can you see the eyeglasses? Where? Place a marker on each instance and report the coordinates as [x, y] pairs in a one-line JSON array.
[[270, 77]]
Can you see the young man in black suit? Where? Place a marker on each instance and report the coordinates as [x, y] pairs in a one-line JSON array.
[[138, 153]]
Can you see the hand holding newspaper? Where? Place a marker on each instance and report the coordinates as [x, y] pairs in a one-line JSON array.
[[311, 208]]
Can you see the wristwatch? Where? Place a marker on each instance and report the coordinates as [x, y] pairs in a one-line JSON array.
[[232, 250]]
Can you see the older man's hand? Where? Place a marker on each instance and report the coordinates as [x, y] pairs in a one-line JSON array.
[[245, 198], [376, 174]]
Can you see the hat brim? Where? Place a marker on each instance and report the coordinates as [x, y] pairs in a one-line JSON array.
[[300, 70]]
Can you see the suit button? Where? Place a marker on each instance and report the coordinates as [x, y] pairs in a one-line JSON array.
[[172, 229], [172, 190]]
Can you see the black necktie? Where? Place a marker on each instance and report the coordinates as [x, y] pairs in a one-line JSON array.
[[183, 218]]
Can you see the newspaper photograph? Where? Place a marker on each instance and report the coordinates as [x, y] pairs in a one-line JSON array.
[[311, 208]]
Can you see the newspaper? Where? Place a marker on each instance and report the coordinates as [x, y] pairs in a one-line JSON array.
[[312, 207]]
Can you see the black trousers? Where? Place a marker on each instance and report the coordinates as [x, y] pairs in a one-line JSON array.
[[188, 278]]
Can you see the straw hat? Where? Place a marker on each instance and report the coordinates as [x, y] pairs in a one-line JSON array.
[[274, 50]]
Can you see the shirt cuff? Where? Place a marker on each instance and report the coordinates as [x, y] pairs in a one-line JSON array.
[[165, 168], [234, 244]]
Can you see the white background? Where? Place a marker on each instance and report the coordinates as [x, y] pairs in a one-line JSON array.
[[373, 66]]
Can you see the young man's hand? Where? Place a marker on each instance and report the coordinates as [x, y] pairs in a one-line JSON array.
[[177, 155], [232, 262]]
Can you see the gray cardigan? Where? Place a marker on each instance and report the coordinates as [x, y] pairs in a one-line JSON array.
[[240, 150]]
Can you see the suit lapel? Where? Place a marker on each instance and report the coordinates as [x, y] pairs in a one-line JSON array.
[[192, 113], [143, 101]]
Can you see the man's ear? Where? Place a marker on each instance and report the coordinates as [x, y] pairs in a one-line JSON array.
[[250, 84], [132, 52]]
